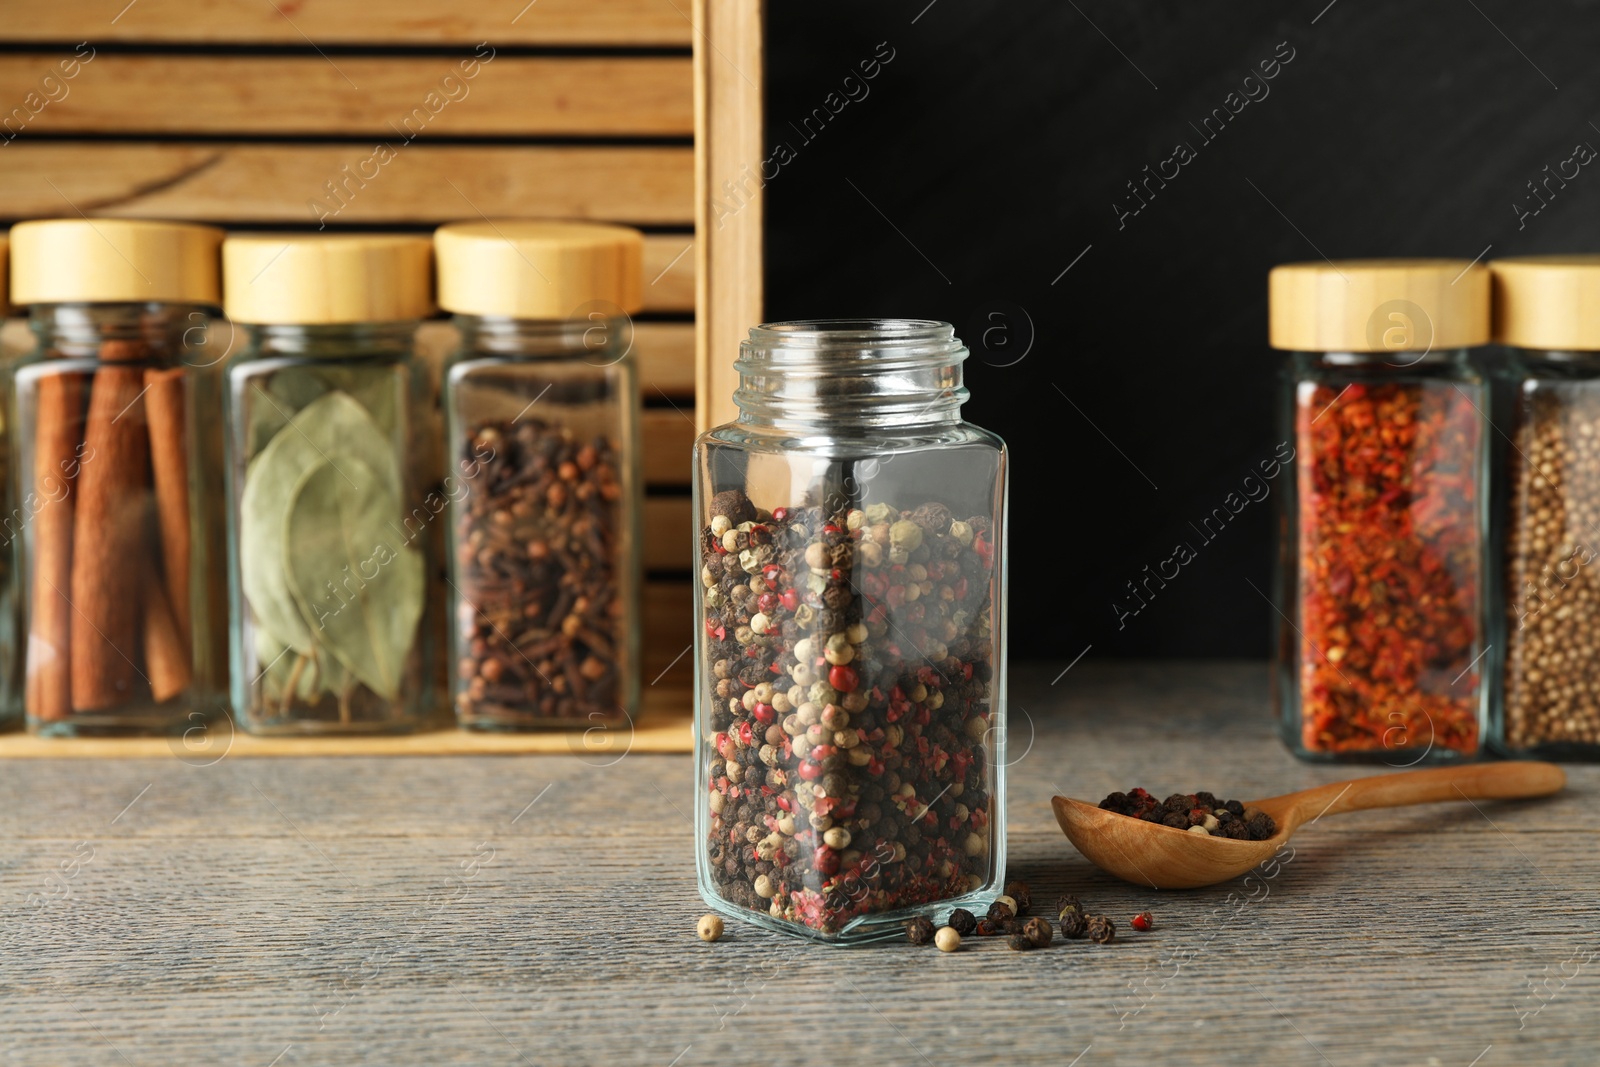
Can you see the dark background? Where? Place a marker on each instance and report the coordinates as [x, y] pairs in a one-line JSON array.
[[996, 142]]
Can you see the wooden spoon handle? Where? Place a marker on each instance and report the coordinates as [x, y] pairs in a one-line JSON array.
[[1476, 781]]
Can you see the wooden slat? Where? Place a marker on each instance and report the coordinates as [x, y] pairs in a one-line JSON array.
[[668, 437], [728, 114], [242, 183], [668, 533], [416, 22], [668, 617], [664, 351], [391, 98], [669, 263]]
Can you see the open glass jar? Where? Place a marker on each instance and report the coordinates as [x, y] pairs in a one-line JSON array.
[[1381, 584], [328, 533], [105, 524], [541, 401], [1547, 310], [850, 666]]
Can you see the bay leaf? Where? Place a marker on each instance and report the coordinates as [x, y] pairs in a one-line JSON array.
[[333, 429], [358, 585]]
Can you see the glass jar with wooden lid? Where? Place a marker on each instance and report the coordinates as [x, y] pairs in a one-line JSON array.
[[1547, 313], [542, 406], [1379, 604], [108, 540], [328, 534]]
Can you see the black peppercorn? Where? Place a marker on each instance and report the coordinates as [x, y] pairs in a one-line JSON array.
[[962, 921], [1073, 925], [1067, 903], [1101, 929], [919, 931], [999, 912], [1037, 931], [1018, 942], [986, 928], [1019, 892]]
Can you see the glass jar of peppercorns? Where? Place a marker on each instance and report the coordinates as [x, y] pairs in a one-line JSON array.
[[1381, 582], [1547, 310], [542, 405], [850, 669]]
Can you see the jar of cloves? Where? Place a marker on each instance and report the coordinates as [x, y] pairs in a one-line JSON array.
[[1380, 600], [850, 663], [542, 407], [329, 535], [1547, 312], [105, 523]]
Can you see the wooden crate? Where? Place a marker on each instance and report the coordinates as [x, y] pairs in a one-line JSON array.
[[241, 113]]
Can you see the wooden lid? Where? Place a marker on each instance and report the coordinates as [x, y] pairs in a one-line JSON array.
[[5, 279], [1378, 305], [321, 279], [1549, 302], [62, 261], [537, 270]]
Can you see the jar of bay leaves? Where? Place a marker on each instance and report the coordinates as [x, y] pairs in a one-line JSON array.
[[327, 537], [103, 515], [542, 405]]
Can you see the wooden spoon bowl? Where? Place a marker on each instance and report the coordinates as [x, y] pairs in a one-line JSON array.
[[1163, 857]]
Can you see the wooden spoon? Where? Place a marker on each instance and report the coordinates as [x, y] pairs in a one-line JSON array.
[[1164, 857]]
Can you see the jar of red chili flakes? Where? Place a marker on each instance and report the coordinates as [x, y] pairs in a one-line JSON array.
[[850, 673], [1547, 310], [1381, 590]]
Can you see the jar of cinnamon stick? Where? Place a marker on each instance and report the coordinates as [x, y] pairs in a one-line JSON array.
[[542, 405], [328, 535], [108, 540]]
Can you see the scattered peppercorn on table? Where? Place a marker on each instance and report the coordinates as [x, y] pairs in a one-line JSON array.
[[543, 910]]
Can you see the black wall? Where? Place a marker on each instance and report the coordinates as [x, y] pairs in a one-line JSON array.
[[996, 145]]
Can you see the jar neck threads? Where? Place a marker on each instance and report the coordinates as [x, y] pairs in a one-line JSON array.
[[334, 341], [850, 374], [78, 330], [599, 339]]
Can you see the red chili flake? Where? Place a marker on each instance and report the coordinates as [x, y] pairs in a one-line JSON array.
[[1390, 559]]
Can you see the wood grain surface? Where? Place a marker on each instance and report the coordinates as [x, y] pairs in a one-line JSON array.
[[409, 22], [541, 910], [237, 184], [509, 96]]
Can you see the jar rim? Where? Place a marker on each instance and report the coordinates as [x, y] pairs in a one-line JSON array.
[[811, 333]]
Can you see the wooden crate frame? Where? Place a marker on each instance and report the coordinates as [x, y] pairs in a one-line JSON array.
[[599, 136]]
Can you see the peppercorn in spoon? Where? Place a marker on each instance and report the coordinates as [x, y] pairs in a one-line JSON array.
[[1163, 857]]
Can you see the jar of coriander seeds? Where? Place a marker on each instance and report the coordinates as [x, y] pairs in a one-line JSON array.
[[850, 666], [1547, 313], [328, 532], [541, 402], [1382, 579]]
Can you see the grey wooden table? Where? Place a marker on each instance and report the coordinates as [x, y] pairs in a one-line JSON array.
[[541, 910]]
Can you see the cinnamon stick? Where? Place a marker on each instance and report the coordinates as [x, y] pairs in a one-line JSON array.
[[169, 466], [109, 545], [58, 419], [166, 653]]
